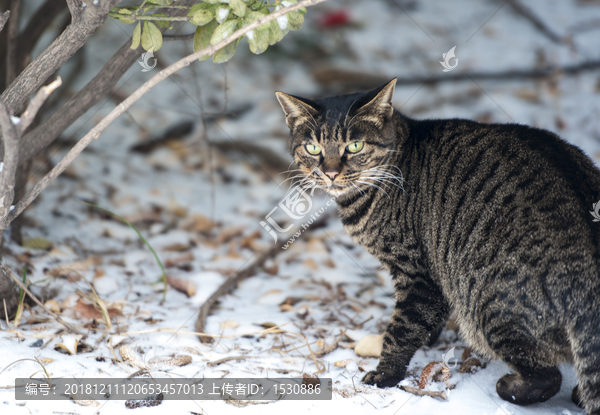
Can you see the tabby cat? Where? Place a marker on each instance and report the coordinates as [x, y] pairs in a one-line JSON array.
[[488, 221]]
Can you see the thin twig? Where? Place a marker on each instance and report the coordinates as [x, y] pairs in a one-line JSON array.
[[4, 18], [421, 392], [539, 24], [36, 103], [38, 302], [228, 359], [95, 132], [332, 346], [10, 139], [11, 41], [173, 38]]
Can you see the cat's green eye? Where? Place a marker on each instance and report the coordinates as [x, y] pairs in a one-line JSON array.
[[313, 149], [356, 146]]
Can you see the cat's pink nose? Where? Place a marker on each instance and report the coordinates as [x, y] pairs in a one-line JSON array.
[[332, 174]]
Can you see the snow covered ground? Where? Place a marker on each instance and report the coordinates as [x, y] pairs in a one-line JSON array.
[[201, 209]]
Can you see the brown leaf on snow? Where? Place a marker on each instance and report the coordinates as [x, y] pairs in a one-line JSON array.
[[198, 223], [229, 233], [185, 286], [89, 311], [310, 263], [179, 260], [292, 300], [177, 247], [434, 371], [71, 269]]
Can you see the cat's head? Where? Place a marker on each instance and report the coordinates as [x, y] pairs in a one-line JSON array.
[[342, 144]]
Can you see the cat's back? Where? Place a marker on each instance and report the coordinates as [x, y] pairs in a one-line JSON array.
[[508, 192]]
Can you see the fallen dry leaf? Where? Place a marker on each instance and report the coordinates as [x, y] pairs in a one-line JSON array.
[[286, 307], [89, 311], [343, 363], [53, 306], [185, 286], [198, 223], [180, 259], [310, 263], [229, 233]]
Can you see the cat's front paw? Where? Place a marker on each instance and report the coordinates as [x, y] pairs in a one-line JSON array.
[[382, 378]]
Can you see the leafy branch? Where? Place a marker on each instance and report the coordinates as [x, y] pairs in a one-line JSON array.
[[215, 21]]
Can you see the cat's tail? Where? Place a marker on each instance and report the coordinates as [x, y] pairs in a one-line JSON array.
[[584, 335]]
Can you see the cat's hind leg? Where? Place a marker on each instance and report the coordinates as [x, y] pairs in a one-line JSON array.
[[584, 337], [535, 379]]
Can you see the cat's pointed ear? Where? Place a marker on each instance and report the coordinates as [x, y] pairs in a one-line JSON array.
[[297, 110], [376, 105]]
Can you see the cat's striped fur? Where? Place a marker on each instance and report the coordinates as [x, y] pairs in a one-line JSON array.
[[489, 221]]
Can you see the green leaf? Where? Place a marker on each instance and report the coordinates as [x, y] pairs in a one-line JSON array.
[[162, 23], [283, 22], [160, 2], [253, 16], [224, 30], [275, 33], [226, 53], [295, 20], [137, 33], [199, 6], [213, 1], [202, 37], [238, 7], [37, 243], [222, 13], [201, 17], [258, 40], [125, 16], [151, 37]]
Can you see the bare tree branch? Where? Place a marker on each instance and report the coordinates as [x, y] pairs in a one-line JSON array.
[[4, 18], [36, 103], [11, 41], [40, 137], [55, 55], [38, 302], [539, 24], [172, 38], [10, 139], [36, 26], [95, 132]]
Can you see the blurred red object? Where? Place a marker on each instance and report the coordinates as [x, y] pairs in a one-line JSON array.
[[335, 18]]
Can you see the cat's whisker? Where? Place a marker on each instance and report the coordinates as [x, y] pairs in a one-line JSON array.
[[290, 171], [387, 175], [374, 185], [348, 112], [383, 181], [357, 188], [290, 178], [380, 180], [355, 115]]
